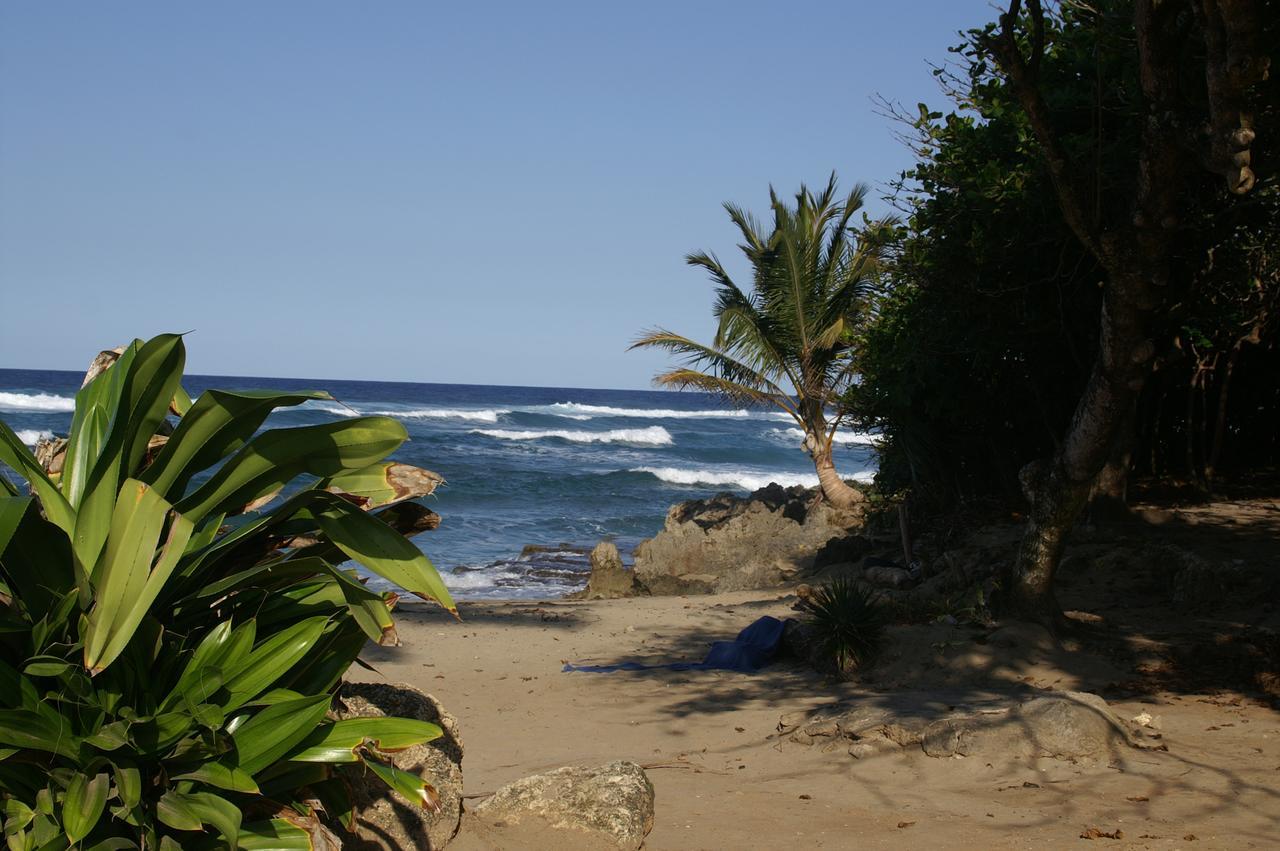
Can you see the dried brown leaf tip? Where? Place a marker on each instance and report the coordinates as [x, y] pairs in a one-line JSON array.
[[1099, 833]]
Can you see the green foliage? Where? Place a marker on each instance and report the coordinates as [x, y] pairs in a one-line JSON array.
[[847, 623], [987, 331], [165, 679]]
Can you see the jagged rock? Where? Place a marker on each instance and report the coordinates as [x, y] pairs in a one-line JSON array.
[[609, 578], [887, 577], [387, 822], [844, 550], [607, 806], [731, 543], [1068, 725]]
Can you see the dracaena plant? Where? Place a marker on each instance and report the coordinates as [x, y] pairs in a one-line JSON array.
[[169, 648]]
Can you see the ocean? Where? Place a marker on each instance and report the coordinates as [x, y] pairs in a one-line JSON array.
[[535, 476]]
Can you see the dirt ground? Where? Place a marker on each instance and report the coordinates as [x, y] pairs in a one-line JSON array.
[[1199, 660]]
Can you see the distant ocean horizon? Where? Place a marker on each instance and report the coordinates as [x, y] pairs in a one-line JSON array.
[[535, 476]]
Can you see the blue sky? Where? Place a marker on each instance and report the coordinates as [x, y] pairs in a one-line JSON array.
[[498, 193]]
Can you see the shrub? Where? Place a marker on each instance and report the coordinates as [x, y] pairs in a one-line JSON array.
[[846, 623], [165, 679]]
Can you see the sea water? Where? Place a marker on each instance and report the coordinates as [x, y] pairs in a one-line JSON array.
[[553, 470]]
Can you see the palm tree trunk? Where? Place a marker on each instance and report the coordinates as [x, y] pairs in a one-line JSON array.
[[834, 488]]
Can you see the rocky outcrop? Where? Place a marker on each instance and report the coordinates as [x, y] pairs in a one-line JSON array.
[[385, 821], [731, 543], [609, 578], [606, 806], [1067, 725]]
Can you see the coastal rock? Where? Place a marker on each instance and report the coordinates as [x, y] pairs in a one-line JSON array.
[[385, 821], [1067, 725], [607, 806], [846, 550], [731, 543], [609, 578]]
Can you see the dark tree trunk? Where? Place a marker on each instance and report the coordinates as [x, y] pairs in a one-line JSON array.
[[1135, 253], [1110, 498]]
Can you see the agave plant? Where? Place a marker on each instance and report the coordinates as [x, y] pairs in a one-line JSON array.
[[168, 654], [846, 623]]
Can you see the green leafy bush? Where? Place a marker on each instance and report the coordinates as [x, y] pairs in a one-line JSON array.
[[165, 679], [846, 623]]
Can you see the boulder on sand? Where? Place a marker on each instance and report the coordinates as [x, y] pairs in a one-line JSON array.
[[606, 806], [386, 822], [1062, 725], [609, 578], [731, 543]]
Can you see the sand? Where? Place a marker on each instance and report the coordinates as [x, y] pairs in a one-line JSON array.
[[724, 779]]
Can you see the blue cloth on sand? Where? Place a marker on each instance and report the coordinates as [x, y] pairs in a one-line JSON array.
[[755, 647]]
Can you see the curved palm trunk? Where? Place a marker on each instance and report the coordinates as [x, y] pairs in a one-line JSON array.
[[834, 489]]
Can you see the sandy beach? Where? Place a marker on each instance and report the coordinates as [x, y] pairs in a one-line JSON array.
[[725, 779]]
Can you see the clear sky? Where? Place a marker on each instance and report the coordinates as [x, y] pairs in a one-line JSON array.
[[495, 193]]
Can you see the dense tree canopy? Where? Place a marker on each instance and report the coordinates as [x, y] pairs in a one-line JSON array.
[[986, 338]]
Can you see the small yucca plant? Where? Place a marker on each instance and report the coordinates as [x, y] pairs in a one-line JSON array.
[[846, 622]]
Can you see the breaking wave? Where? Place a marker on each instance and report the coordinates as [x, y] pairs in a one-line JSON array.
[[490, 415], [652, 436], [31, 436], [843, 438], [749, 480], [575, 411], [36, 402]]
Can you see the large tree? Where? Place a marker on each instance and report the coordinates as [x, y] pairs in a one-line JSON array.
[[1199, 63], [788, 340]]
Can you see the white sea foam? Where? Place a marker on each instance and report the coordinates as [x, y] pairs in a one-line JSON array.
[[31, 436], [36, 402], [575, 411], [745, 479], [477, 416], [653, 435], [844, 438], [332, 408]]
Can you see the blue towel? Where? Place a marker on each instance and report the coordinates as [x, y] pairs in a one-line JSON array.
[[754, 648]]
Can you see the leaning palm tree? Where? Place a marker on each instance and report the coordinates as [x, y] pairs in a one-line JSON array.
[[788, 342]]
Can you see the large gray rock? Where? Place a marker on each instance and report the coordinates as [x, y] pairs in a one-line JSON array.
[[385, 821], [731, 543], [1067, 725], [607, 806]]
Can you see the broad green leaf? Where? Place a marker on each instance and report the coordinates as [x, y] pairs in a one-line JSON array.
[[339, 741], [380, 549], [97, 404], [217, 424], [223, 649], [271, 660], [39, 564], [383, 483], [222, 776], [17, 456], [83, 805], [126, 583], [128, 785], [11, 510], [367, 607], [25, 728], [145, 393], [413, 788], [274, 835], [276, 730], [193, 810], [278, 456]]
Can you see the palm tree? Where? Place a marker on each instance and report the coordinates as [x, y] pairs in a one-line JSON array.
[[789, 341]]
